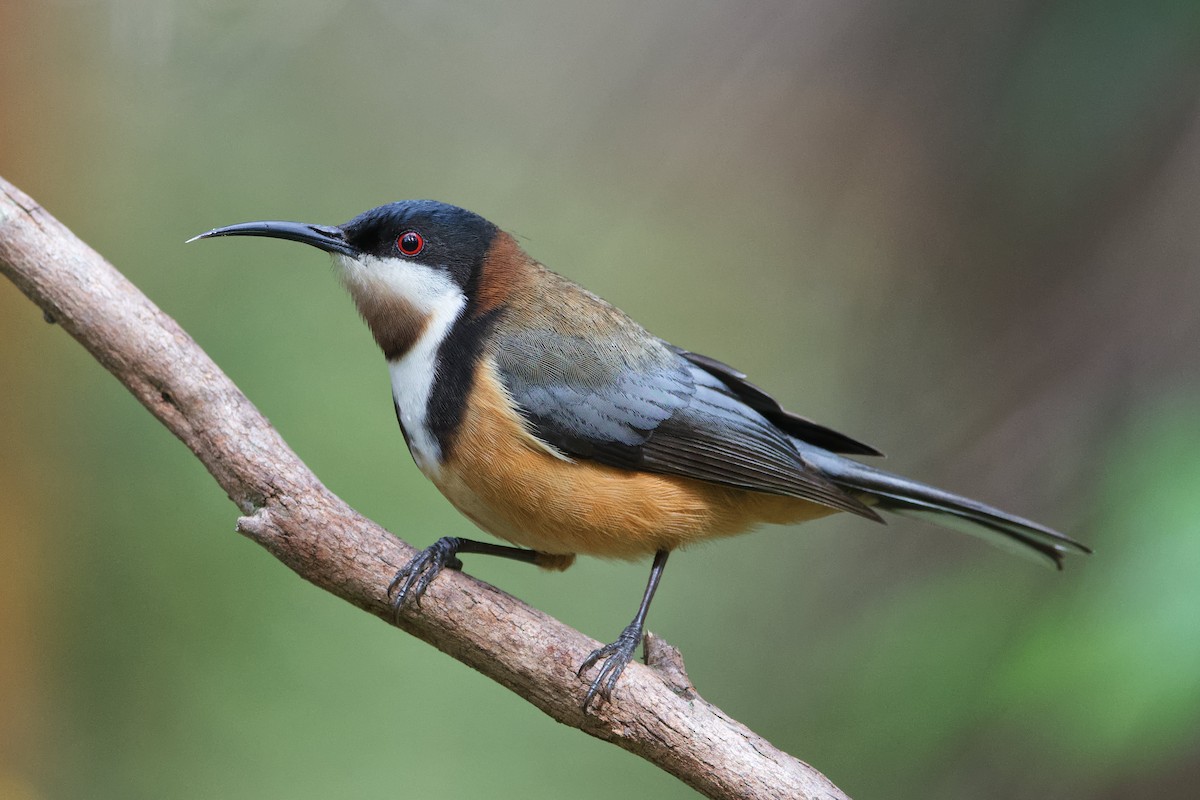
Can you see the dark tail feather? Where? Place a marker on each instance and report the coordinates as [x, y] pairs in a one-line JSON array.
[[919, 501]]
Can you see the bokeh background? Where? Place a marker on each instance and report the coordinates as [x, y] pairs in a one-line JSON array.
[[966, 233]]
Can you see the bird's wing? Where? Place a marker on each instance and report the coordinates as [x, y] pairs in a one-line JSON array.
[[802, 428], [647, 407]]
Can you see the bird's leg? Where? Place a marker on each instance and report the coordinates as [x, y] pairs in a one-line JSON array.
[[414, 577], [619, 653]]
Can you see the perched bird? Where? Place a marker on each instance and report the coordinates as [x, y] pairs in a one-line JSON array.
[[555, 422]]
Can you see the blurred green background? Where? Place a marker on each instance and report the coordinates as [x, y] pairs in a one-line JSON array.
[[966, 233]]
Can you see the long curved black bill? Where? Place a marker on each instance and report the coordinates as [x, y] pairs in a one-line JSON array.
[[323, 237]]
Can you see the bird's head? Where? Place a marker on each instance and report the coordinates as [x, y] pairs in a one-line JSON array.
[[408, 265]]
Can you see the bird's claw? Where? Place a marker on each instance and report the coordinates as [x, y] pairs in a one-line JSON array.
[[414, 577], [616, 657]]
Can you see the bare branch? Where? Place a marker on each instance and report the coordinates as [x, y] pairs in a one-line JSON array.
[[656, 713]]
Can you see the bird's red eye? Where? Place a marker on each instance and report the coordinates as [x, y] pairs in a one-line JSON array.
[[410, 243]]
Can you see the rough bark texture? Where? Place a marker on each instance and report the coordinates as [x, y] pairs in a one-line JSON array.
[[656, 713]]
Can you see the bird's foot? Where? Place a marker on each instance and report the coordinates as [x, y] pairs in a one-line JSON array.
[[615, 656], [414, 577]]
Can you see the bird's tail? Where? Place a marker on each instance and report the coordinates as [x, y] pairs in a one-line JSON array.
[[888, 492]]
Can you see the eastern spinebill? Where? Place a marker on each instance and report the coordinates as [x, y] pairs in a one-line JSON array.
[[555, 422]]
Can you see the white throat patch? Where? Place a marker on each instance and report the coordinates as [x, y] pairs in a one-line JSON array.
[[434, 294]]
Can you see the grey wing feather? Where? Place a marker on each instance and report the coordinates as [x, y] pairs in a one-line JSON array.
[[795, 425], [654, 410], [583, 404], [720, 439]]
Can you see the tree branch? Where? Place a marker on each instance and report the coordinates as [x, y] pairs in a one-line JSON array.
[[656, 713]]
